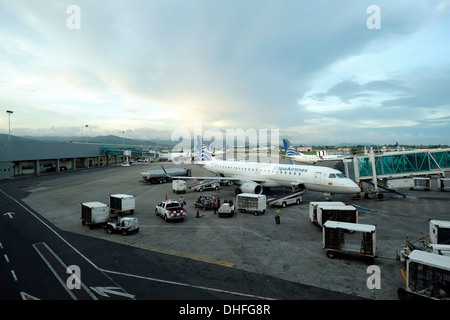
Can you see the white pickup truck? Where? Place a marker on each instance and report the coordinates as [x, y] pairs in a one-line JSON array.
[[170, 210]]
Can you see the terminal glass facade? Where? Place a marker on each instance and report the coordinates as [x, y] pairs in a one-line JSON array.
[[405, 163]]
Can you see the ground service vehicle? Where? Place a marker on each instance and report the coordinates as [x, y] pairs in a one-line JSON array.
[[121, 204], [439, 237], [179, 186], [285, 200], [249, 202], [350, 238], [427, 275], [205, 201], [94, 213], [170, 210], [124, 225], [226, 209], [440, 232], [164, 175], [207, 186]]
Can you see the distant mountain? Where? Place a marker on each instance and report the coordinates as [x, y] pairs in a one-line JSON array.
[[4, 136], [347, 144]]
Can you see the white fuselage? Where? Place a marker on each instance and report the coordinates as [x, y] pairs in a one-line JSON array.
[[310, 158], [314, 178]]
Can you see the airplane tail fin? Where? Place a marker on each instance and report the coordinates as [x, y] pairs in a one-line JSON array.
[[205, 155], [289, 148]]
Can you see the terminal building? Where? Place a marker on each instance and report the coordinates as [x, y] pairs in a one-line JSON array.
[[19, 158]]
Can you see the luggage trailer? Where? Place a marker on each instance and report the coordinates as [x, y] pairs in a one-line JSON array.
[[427, 276], [352, 238]]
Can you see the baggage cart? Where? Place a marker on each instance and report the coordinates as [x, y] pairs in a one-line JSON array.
[[352, 238], [427, 276]]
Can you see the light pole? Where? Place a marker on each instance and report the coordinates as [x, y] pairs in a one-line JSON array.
[[9, 112]]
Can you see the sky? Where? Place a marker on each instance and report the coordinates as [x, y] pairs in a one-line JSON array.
[[315, 72]]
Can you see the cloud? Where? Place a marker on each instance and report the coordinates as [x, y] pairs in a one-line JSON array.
[[158, 65]]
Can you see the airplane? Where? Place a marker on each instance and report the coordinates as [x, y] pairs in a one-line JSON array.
[[184, 156], [295, 155], [252, 177], [170, 156], [219, 152]]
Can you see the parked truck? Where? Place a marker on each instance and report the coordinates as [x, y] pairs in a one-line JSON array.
[[94, 213], [164, 175], [249, 202], [179, 186], [121, 203], [170, 210], [320, 212]]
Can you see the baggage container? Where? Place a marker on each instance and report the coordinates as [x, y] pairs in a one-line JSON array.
[[94, 213], [121, 203], [250, 202]]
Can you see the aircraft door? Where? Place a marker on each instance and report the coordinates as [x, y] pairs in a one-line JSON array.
[[318, 178]]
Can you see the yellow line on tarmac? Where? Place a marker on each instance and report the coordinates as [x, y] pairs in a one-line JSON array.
[[185, 255]]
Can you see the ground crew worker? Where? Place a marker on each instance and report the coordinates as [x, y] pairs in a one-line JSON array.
[[182, 202], [277, 215]]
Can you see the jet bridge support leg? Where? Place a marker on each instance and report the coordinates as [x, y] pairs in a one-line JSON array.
[[374, 170]]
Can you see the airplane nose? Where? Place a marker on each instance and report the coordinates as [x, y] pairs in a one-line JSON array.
[[354, 187]]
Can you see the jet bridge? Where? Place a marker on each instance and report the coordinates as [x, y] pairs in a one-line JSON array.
[[373, 168]]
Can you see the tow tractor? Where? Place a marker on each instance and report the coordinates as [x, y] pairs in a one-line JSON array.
[[226, 209], [125, 225], [287, 199]]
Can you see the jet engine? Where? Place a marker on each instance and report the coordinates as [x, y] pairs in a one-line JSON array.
[[249, 187]]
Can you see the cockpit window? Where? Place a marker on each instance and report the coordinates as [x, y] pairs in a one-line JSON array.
[[336, 175]]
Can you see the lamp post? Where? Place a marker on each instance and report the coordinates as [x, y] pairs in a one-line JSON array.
[[9, 112]]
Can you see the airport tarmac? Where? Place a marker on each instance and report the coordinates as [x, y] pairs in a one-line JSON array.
[[290, 251]]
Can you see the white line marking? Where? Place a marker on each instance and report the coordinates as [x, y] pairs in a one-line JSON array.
[[50, 266], [188, 285], [125, 274], [6, 258], [14, 275], [59, 236]]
